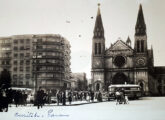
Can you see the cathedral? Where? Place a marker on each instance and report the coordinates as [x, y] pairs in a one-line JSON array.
[[122, 64]]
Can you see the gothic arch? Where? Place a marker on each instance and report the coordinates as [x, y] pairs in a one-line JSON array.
[[120, 78], [98, 85]]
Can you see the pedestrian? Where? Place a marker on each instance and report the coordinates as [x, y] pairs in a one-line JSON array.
[[39, 98], [58, 97], [99, 97], [70, 97], [63, 98], [88, 97], [4, 101], [16, 98], [92, 96], [118, 95]]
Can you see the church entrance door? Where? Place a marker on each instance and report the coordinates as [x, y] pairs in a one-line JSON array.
[[120, 78], [97, 87]]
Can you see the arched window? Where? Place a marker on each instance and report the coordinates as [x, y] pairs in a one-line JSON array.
[[95, 48], [142, 46], [99, 48], [138, 46]]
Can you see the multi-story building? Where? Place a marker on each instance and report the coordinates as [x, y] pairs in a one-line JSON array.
[[21, 62], [5, 53], [51, 61], [42, 59]]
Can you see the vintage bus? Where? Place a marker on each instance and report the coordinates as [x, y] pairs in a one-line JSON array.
[[131, 90]]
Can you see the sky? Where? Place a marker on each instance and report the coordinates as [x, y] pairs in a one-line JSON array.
[[75, 19]]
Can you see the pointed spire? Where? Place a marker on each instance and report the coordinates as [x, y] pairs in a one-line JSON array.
[[140, 24], [99, 29], [98, 12], [128, 40]]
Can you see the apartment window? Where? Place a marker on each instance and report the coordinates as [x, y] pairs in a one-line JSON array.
[[43, 68], [27, 47], [15, 76], [42, 75], [22, 41], [15, 48], [27, 69], [44, 46], [3, 62], [27, 76], [27, 41], [21, 55], [39, 40], [53, 61], [21, 62], [27, 83], [15, 55], [15, 69], [49, 68], [49, 61], [7, 62], [39, 47], [21, 76], [27, 54], [42, 61], [22, 48], [27, 62], [21, 69], [15, 62], [15, 41], [20, 83], [7, 55], [49, 75]]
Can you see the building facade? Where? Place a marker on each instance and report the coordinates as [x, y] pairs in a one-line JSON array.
[[79, 81], [51, 61], [36, 60], [122, 64]]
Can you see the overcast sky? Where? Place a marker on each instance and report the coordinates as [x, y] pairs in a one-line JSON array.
[[72, 19]]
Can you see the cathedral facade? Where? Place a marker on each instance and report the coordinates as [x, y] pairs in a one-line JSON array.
[[122, 64]]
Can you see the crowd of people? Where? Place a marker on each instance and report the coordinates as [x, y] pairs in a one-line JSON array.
[[22, 98], [9, 96], [67, 96]]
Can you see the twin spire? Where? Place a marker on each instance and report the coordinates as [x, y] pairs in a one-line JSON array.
[[99, 29], [140, 28]]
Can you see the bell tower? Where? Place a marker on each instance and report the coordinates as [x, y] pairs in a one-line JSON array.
[[140, 33], [141, 53], [98, 48]]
